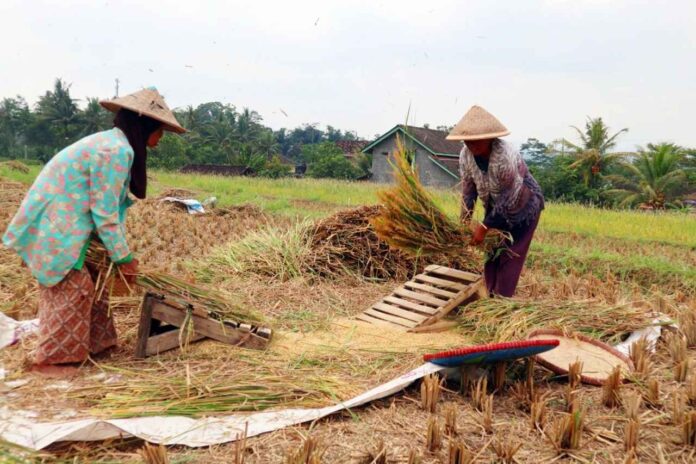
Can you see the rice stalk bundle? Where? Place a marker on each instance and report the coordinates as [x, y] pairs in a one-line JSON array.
[[504, 319], [537, 412], [458, 453], [15, 165], [377, 455], [689, 429], [412, 222], [691, 391], [216, 303], [611, 390], [430, 392], [499, 371], [631, 436], [433, 435], [309, 452], [487, 414], [566, 432], [574, 374], [506, 450], [677, 347], [451, 428], [153, 391], [479, 393], [678, 407], [154, 454], [687, 326], [632, 406], [652, 394], [413, 457], [639, 353]]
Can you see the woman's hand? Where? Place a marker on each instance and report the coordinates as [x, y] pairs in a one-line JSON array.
[[479, 234], [129, 271]]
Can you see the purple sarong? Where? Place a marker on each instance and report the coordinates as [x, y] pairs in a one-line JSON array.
[[503, 273]]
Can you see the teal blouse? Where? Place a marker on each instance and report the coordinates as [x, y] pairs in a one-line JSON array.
[[82, 190]]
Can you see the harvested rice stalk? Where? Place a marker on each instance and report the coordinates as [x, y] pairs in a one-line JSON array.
[[640, 355], [479, 393], [413, 457], [677, 347], [451, 420], [459, 453], [691, 391], [154, 390], [310, 451], [611, 390], [487, 414], [499, 375], [689, 429], [433, 436], [631, 405], [566, 432], [154, 454], [678, 407], [506, 450], [537, 412], [523, 397], [216, 303], [652, 394], [412, 222], [687, 326], [505, 319], [574, 374], [631, 434], [681, 370], [430, 392]]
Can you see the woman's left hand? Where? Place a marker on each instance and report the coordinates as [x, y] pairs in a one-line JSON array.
[[479, 234]]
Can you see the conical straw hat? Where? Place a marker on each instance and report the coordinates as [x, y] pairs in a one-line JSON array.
[[477, 124], [147, 102]]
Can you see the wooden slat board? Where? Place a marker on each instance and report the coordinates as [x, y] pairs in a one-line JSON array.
[[425, 299]]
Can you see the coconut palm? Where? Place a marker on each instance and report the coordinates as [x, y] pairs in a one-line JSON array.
[[593, 156], [94, 118], [654, 180]]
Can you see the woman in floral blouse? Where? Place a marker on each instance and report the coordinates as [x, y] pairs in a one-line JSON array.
[[494, 171], [83, 191]]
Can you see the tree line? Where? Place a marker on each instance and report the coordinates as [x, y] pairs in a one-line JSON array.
[[590, 170], [218, 133], [587, 170]]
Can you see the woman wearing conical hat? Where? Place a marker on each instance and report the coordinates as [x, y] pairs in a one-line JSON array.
[[493, 170], [83, 192]]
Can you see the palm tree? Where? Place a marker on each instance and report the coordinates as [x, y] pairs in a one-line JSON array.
[[94, 117], [60, 110], [654, 180], [592, 153]]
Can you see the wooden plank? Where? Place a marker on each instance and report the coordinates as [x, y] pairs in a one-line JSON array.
[[441, 282], [454, 302], [410, 305], [393, 319], [380, 322], [144, 327], [446, 271], [430, 289], [395, 311], [167, 341], [440, 326], [431, 300], [210, 328]]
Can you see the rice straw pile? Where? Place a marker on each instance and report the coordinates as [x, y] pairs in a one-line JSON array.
[[216, 303], [413, 223], [150, 389], [502, 319]]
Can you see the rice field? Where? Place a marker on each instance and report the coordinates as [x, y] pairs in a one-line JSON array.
[[592, 266]]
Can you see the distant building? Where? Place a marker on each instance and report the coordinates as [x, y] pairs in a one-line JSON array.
[[436, 159], [351, 148], [218, 169]]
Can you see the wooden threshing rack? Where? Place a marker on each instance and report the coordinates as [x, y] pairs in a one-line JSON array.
[[426, 299]]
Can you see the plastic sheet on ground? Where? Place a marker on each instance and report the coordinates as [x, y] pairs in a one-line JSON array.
[[176, 430], [11, 331]]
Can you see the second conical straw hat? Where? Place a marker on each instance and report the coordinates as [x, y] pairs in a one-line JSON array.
[[478, 124]]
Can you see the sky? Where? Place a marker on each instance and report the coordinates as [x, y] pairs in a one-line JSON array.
[[539, 66]]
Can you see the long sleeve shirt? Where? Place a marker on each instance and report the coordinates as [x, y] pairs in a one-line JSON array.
[[510, 195], [81, 190]]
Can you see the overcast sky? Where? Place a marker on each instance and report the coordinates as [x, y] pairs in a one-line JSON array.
[[538, 65]]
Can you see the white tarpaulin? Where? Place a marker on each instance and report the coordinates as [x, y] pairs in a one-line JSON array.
[[176, 430]]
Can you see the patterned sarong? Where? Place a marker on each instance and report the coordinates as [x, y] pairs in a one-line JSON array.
[[71, 323]]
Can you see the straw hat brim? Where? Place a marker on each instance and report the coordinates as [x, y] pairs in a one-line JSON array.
[[491, 135], [167, 125]]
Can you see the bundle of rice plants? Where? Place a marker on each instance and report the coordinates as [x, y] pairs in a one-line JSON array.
[[504, 319], [566, 432], [611, 390], [640, 356], [451, 429], [458, 453], [154, 454], [506, 450], [310, 451], [433, 435], [411, 220], [430, 392], [689, 429]]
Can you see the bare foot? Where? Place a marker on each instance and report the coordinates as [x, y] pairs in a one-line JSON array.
[[56, 371]]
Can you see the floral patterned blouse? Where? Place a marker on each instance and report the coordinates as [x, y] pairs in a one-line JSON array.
[[510, 195], [83, 189]]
